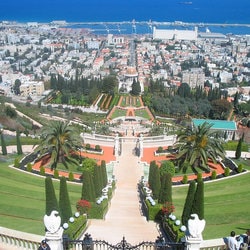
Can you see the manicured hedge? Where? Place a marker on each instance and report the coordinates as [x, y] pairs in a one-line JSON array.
[[76, 228]]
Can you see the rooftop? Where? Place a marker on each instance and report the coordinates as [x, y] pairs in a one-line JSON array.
[[217, 124]]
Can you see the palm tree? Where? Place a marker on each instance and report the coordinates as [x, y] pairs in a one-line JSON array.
[[59, 140], [197, 145]]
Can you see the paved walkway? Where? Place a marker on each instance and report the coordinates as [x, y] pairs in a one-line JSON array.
[[124, 217]]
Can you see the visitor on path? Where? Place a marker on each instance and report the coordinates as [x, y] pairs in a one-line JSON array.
[[246, 241], [232, 243], [44, 246]]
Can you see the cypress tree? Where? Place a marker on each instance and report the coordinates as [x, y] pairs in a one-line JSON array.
[[97, 181], [50, 196], [166, 188], [18, 143], [156, 185], [4, 148], [104, 173], [238, 149], [188, 203], [88, 189], [151, 172], [64, 202], [198, 203]]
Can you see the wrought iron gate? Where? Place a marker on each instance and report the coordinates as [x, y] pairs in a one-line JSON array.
[[89, 244]]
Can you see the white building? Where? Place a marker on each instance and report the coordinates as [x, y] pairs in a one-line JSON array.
[[164, 34]]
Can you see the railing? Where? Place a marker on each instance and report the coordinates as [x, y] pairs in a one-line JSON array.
[[18, 240], [89, 244]]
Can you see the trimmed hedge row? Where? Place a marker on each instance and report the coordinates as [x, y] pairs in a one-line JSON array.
[[76, 228]]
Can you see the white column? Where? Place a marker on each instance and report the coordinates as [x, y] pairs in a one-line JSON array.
[[55, 240]]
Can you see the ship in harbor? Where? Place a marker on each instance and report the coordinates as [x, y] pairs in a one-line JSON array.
[[187, 3]]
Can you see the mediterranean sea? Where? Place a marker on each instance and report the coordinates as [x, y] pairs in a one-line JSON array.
[[223, 12]]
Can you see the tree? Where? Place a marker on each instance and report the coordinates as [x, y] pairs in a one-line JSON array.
[[50, 196], [198, 203], [166, 188], [167, 167], [238, 149], [59, 140], [4, 148], [188, 203], [154, 179], [88, 189], [97, 178], [136, 88], [64, 202], [16, 87], [18, 143], [197, 145], [10, 112], [104, 173], [109, 84], [220, 109]]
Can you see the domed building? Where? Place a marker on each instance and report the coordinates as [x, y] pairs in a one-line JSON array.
[[131, 74]]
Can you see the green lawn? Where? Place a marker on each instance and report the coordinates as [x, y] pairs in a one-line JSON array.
[[142, 113], [118, 112], [226, 205], [22, 203]]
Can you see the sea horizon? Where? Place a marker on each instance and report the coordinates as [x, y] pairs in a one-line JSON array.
[[77, 11]]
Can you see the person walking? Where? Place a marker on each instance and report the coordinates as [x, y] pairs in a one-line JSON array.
[[232, 243], [44, 246]]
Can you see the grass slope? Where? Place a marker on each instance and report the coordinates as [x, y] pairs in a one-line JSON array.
[[226, 205], [22, 203]]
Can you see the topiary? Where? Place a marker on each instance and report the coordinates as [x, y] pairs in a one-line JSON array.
[[29, 167], [226, 171], [213, 175], [42, 170], [71, 176], [199, 177], [56, 174], [240, 168], [16, 163], [184, 179]]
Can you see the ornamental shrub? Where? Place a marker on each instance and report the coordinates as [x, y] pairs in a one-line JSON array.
[[198, 203], [97, 148], [185, 179], [29, 167], [87, 146], [227, 172], [71, 176], [160, 150], [51, 201], [64, 202], [42, 170], [213, 175], [240, 168], [199, 177], [188, 203], [56, 174], [16, 163], [83, 206], [76, 228]]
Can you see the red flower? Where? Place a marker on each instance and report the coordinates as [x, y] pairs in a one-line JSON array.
[[168, 208], [83, 206]]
